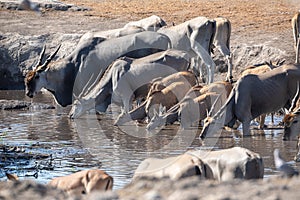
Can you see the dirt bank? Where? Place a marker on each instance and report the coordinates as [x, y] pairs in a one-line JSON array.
[[185, 189], [261, 29]]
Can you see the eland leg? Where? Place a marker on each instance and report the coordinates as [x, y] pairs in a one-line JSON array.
[[229, 76], [223, 49], [246, 128], [297, 156], [297, 50]]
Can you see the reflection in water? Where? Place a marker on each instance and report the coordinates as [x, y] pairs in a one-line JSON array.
[[93, 141]]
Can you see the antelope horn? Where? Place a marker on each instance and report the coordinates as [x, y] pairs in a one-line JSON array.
[[213, 106], [281, 62], [41, 56], [269, 64], [296, 97], [44, 66]]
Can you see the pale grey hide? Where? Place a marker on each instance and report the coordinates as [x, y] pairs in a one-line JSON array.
[[222, 42], [232, 163], [260, 69], [175, 168], [109, 50], [285, 168], [296, 34], [127, 79], [152, 23], [245, 103], [196, 37], [78, 72], [113, 33]]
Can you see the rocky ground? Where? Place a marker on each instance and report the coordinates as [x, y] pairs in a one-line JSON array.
[[185, 189], [261, 31]]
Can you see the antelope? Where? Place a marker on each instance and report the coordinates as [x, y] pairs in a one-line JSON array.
[[83, 182]]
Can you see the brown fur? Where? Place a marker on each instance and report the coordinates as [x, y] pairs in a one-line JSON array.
[[167, 97], [83, 182], [29, 76], [288, 118], [161, 83]]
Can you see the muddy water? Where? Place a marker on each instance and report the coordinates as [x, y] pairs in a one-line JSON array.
[[93, 142]]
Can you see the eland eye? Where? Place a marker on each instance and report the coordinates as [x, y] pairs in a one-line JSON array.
[[296, 121], [37, 77]]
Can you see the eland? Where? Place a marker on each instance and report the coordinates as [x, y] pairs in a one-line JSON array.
[[127, 79], [196, 37], [245, 103], [78, 72]]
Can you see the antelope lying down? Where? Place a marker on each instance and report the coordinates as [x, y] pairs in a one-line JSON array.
[[245, 103], [83, 182], [152, 23], [221, 165], [175, 168]]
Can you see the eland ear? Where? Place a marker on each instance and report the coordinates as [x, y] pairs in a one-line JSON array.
[[270, 64], [280, 62], [12, 177]]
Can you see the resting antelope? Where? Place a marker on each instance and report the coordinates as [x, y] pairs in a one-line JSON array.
[[152, 23], [83, 182]]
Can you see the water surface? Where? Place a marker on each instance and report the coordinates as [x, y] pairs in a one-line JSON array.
[[93, 142]]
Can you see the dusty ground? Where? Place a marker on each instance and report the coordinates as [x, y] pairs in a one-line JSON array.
[[253, 21]]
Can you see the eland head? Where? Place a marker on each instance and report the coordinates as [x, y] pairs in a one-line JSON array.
[[36, 78]]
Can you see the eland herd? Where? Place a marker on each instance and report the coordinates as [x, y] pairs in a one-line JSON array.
[[161, 74]]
